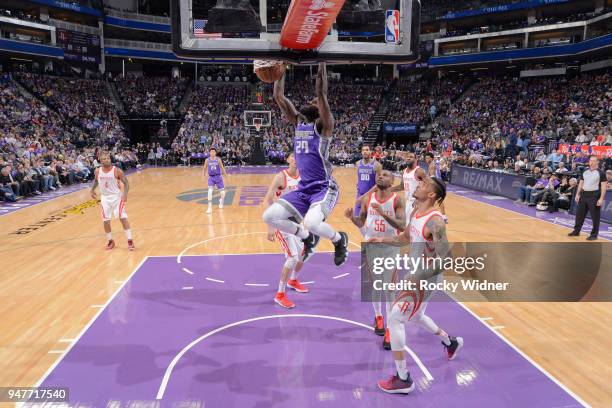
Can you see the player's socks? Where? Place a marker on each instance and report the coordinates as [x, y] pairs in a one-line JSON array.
[[209, 209], [281, 299], [128, 234], [456, 343], [402, 371], [109, 236], [379, 326], [341, 249], [222, 199], [443, 336], [337, 237], [395, 385], [282, 286]]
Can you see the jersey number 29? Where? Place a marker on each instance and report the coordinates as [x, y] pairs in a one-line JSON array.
[[301, 146]]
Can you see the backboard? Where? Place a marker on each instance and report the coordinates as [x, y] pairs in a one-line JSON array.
[[388, 33], [257, 119]]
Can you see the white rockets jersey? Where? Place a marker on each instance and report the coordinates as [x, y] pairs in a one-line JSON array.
[[109, 185], [410, 182], [376, 226], [291, 184], [417, 226]]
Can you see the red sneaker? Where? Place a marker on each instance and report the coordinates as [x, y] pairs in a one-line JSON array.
[[297, 286], [131, 246], [387, 340], [110, 245], [395, 385], [379, 326], [282, 300]]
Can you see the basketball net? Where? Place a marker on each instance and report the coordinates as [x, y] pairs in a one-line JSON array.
[[257, 122], [257, 64]]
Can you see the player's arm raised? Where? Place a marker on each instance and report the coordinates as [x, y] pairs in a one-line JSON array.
[[325, 115], [363, 215], [95, 184], [378, 168], [283, 102]]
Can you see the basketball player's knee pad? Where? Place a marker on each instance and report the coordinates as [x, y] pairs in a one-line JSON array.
[[397, 335], [313, 219], [268, 215], [291, 262]]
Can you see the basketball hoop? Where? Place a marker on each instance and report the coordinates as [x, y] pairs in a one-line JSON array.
[[257, 64], [257, 123]]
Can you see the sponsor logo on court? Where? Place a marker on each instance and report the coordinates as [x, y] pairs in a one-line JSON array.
[[56, 216], [244, 196]]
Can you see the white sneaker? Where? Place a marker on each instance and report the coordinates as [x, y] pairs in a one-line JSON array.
[[209, 211], [221, 204]]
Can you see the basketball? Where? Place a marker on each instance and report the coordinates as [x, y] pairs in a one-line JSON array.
[[269, 71]]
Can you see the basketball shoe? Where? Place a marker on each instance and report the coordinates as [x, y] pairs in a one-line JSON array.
[[379, 326], [395, 385], [297, 286], [341, 249], [387, 340], [310, 243], [110, 245], [454, 347], [282, 300]]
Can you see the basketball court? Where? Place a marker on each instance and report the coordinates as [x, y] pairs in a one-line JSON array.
[[188, 317]]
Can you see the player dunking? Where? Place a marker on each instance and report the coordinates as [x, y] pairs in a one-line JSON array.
[[213, 166], [367, 171], [283, 183], [426, 233], [112, 198], [317, 192], [382, 216]]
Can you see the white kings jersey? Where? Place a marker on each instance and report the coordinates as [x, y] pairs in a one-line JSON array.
[[416, 228], [108, 182], [291, 184], [376, 226]]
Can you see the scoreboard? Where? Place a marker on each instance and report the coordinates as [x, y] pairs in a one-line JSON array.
[[80, 47]]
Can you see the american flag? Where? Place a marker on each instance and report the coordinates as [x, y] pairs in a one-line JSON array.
[[199, 32]]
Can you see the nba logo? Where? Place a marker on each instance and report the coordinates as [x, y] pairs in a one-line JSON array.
[[392, 27]]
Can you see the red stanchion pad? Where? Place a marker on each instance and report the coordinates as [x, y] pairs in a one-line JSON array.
[[308, 22]]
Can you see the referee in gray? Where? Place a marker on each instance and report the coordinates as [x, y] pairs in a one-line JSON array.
[[590, 197]]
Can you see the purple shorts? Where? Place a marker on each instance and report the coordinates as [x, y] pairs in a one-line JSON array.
[[357, 209], [298, 202], [216, 181]]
